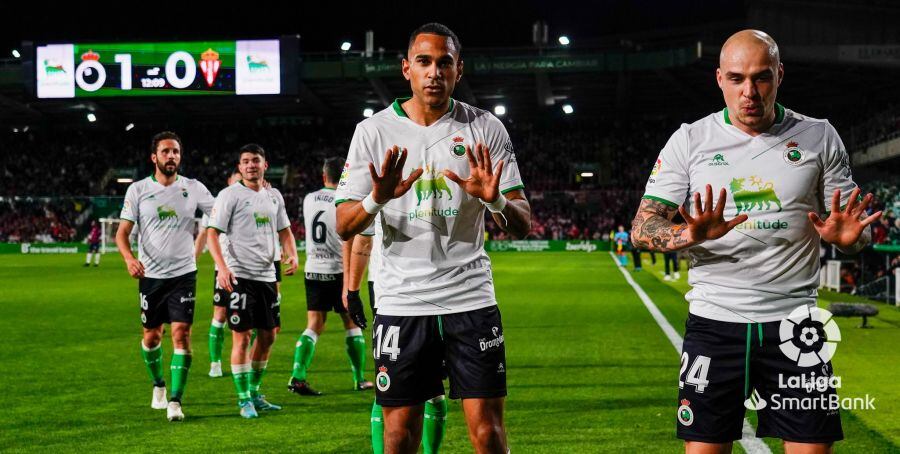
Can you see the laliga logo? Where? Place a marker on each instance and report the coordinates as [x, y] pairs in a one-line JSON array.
[[809, 336]]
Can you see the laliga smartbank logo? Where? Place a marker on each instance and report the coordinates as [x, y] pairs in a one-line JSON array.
[[809, 338]]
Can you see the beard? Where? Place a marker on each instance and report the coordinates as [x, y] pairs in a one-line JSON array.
[[165, 169]]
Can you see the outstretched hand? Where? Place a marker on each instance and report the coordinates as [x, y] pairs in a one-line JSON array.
[[843, 228], [390, 184], [709, 223], [484, 179]]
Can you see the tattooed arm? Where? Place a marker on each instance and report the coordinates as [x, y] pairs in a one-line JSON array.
[[653, 229]]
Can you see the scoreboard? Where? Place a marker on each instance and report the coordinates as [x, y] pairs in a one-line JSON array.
[[242, 67]]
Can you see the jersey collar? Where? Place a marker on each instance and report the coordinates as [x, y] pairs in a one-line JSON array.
[[153, 177], [398, 109], [779, 115]]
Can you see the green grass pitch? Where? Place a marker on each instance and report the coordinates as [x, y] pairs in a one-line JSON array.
[[588, 368]]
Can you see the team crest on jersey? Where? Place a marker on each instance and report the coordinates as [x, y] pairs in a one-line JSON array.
[[382, 380], [793, 155], [457, 148]]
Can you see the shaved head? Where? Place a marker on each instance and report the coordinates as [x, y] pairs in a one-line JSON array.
[[745, 40], [749, 74]]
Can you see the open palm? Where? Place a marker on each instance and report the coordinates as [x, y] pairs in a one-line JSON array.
[[842, 228], [484, 180]]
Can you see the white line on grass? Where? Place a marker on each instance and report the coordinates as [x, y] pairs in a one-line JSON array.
[[748, 441]]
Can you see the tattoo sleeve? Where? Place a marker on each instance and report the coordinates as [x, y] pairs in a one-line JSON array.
[[652, 228]]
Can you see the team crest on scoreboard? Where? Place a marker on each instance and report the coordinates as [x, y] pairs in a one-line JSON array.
[[793, 155], [209, 66]]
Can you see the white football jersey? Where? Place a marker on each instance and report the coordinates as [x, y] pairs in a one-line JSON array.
[[252, 220], [164, 222], [768, 265], [433, 258], [323, 245]]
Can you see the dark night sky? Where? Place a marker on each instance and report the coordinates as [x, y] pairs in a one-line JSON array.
[[485, 23]]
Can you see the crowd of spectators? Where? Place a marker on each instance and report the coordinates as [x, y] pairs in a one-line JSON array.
[[41, 220]]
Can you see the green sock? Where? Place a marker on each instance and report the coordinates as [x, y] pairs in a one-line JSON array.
[[181, 364], [153, 361], [256, 375], [241, 375], [377, 429], [435, 425], [303, 353], [356, 350], [216, 339]]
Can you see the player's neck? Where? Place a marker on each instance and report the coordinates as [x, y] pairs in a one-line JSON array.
[[422, 113], [254, 185], [164, 179], [770, 119]]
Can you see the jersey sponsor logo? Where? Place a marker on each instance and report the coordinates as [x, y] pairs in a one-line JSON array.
[[426, 188], [718, 160], [755, 402], [383, 380], [685, 414], [793, 155], [261, 220], [166, 212], [746, 200]]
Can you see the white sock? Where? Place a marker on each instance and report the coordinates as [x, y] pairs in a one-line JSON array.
[[88, 261], [259, 365], [311, 334], [353, 332], [240, 368], [217, 324]]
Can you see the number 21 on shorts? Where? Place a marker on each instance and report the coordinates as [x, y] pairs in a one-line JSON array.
[[697, 373], [389, 344]]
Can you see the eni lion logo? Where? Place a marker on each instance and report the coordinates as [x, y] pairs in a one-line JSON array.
[[746, 200], [166, 212], [261, 221], [431, 187]]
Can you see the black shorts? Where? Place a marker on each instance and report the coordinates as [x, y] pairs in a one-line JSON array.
[[220, 295], [277, 264], [93, 247], [723, 364], [411, 354], [372, 297], [323, 292], [167, 300], [253, 305]]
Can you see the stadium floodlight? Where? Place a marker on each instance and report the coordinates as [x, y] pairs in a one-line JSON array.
[[15, 130], [568, 109], [91, 117], [25, 129], [345, 46], [129, 126], [368, 112], [16, 53], [499, 110], [124, 180], [564, 40], [587, 174]]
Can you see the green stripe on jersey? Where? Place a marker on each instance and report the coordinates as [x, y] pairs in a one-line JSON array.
[[660, 200], [518, 186]]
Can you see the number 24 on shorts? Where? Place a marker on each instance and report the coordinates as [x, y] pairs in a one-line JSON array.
[[697, 374], [388, 345]]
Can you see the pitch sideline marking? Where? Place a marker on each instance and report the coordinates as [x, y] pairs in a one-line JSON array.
[[748, 441]]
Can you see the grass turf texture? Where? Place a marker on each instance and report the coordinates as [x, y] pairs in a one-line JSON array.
[[588, 369]]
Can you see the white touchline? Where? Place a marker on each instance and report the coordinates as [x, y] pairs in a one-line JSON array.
[[748, 440]]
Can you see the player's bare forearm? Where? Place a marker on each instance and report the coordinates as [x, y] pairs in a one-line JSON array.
[[215, 250], [199, 244], [288, 249], [653, 230], [358, 259], [517, 214], [352, 219], [122, 235]]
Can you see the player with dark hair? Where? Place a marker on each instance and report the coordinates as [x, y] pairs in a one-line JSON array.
[[324, 271], [251, 215], [435, 293], [162, 207]]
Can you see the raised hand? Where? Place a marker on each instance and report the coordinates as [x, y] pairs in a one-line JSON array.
[[709, 223], [484, 180], [390, 184], [843, 228]]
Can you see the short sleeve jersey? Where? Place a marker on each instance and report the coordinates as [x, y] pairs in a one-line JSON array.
[[433, 258], [164, 221], [323, 246], [768, 265], [252, 220]]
